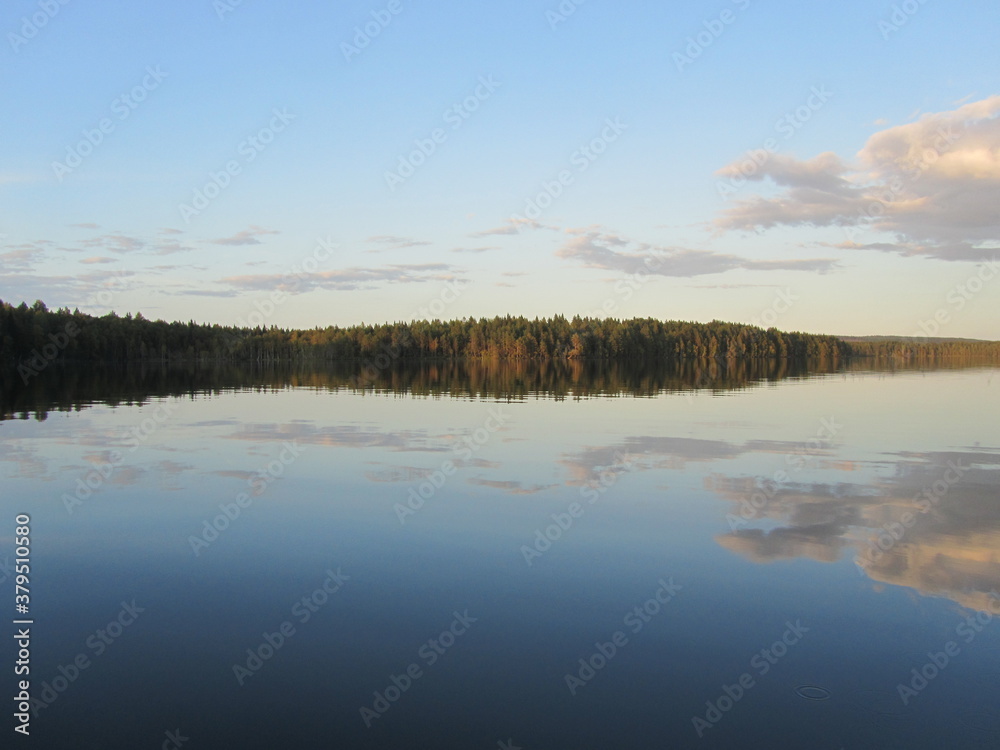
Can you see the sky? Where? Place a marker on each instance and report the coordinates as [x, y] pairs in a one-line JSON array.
[[831, 168]]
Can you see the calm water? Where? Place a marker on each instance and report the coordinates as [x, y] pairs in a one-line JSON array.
[[562, 557]]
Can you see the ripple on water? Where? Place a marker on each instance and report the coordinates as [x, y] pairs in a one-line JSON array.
[[812, 692]]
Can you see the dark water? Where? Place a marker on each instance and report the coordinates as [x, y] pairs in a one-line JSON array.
[[560, 556]]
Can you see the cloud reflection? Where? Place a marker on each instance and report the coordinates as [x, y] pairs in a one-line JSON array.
[[928, 521]]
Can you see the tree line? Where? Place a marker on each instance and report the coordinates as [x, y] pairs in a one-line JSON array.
[[916, 349], [32, 336]]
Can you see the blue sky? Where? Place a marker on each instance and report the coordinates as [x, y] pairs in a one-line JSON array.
[[870, 207]]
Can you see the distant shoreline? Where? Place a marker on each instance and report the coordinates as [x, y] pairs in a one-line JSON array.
[[34, 337]]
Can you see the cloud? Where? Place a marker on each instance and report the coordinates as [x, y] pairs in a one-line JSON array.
[[116, 278], [27, 462], [945, 250], [822, 542], [30, 287], [398, 474], [123, 244], [511, 487], [86, 225], [733, 286], [513, 225], [822, 173], [116, 243], [79, 289], [345, 436], [474, 249], [344, 279], [98, 259], [246, 237], [933, 184], [21, 259], [665, 452], [169, 247], [594, 248], [949, 544], [223, 293], [395, 243]]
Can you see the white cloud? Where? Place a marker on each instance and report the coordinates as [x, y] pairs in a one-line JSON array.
[[514, 225], [595, 248], [395, 243], [342, 279], [934, 184], [246, 237]]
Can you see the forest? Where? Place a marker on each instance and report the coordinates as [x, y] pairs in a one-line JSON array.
[[32, 336]]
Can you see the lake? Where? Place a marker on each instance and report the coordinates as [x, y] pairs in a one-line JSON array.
[[559, 555]]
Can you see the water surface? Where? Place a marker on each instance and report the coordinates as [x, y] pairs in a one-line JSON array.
[[743, 556]]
